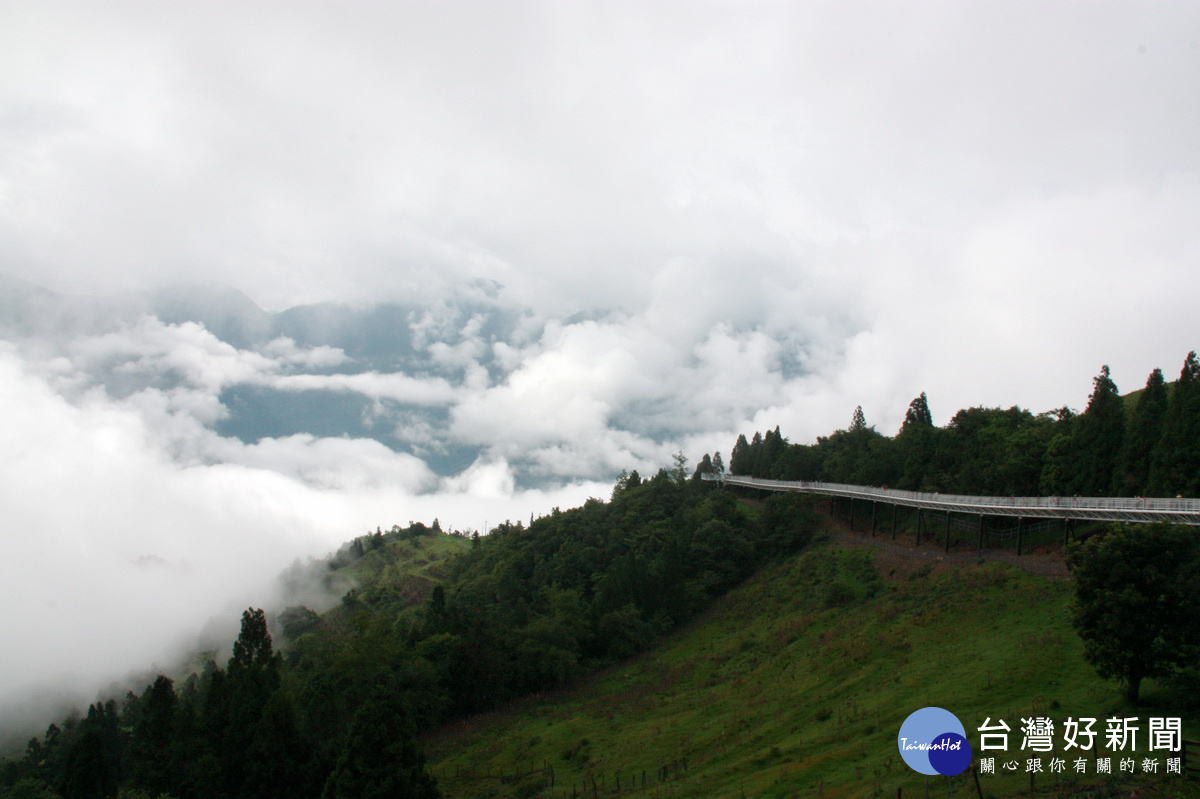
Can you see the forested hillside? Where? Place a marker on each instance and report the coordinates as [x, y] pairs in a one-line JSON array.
[[520, 610], [1147, 444]]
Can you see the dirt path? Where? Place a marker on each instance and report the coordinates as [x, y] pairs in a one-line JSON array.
[[906, 558]]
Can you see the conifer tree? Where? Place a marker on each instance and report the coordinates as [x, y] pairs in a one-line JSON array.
[[1176, 460], [915, 445], [739, 458], [250, 680], [153, 747], [1098, 437], [87, 774], [1141, 437], [380, 758], [918, 414]]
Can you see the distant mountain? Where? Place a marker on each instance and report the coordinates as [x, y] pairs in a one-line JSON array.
[[412, 339], [226, 312]]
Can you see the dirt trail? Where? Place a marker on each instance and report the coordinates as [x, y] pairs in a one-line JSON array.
[[1046, 565]]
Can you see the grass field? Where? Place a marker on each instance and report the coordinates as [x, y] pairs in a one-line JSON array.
[[796, 684]]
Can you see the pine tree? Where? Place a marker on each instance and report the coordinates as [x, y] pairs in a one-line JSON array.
[[87, 774], [739, 458], [918, 414], [277, 754], [1141, 437], [154, 746], [859, 421], [915, 445], [1098, 437], [1176, 459], [380, 758], [251, 678]]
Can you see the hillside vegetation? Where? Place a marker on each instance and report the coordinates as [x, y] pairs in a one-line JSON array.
[[796, 683]]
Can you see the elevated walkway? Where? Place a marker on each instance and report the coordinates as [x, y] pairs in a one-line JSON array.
[[1116, 509]]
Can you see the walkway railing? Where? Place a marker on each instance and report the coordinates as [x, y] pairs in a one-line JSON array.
[[1126, 509]]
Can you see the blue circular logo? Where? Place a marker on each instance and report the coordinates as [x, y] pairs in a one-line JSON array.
[[933, 741]]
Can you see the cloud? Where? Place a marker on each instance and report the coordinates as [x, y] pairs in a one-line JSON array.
[[129, 524], [400, 387]]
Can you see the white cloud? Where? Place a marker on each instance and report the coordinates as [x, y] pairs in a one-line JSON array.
[[396, 386], [128, 525]]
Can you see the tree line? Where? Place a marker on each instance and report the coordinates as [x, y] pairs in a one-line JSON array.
[[1146, 444]]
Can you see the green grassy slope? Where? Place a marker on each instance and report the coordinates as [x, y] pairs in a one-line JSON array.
[[796, 684]]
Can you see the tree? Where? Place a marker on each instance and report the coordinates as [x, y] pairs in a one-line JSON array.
[[380, 758], [915, 445], [739, 458], [1141, 437], [153, 746], [1176, 467], [252, 651], [87, 774], [918, 414], [238, 701], [1133, 592], [30, 788], [858, 421], [1099, 435]]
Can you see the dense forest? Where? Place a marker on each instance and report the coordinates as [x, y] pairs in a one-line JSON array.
[[1146, 444], [335, 710]]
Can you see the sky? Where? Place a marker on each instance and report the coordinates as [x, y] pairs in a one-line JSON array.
[[601, 233]]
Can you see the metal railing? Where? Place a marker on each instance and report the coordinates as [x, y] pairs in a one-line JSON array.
[[1127, 509]]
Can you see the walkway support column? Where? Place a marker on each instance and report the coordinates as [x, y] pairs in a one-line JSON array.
[[947, 531], [1020, 531], [874, 506], [979, 546]]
